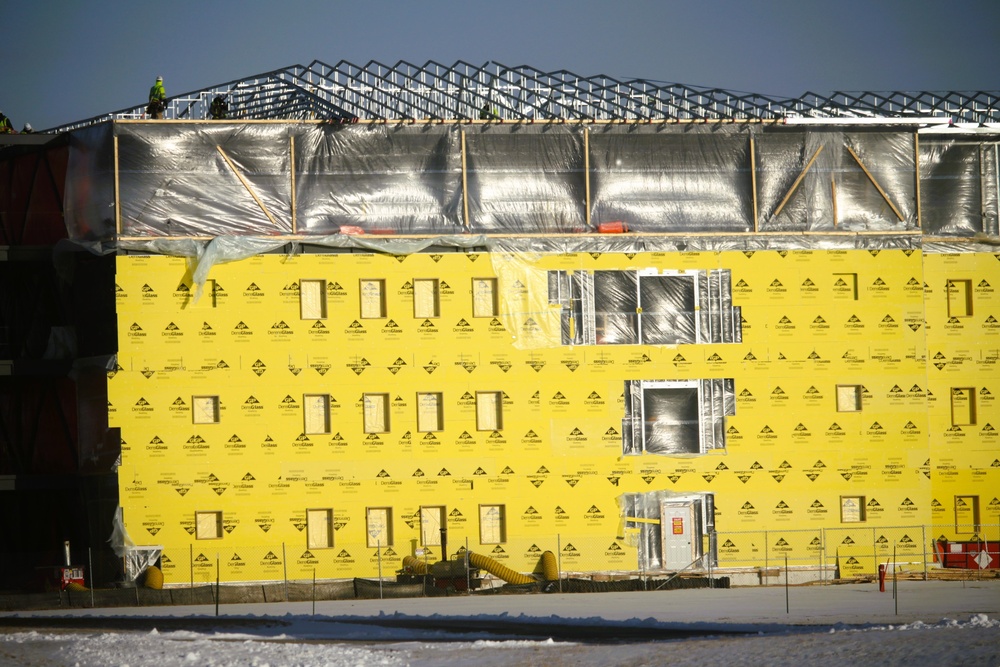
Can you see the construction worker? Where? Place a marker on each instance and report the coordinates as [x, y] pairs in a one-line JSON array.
[[157, 99], [486, 113], [219, 110], [5, 126], [27, 129]]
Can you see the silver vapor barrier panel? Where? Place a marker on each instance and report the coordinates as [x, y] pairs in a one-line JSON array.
[[676, 417], [150, 180]]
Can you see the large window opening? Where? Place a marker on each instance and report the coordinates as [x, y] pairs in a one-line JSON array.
[[676, 417], [645, 307]]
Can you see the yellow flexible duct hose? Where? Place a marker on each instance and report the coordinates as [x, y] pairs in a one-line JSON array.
[[498, 570], [550, 569], [414, 565], [154, 578], [75, 587]]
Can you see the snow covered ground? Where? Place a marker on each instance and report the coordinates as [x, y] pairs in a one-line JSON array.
[[936, 623]]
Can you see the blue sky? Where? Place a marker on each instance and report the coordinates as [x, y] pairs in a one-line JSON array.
[[62, 61]]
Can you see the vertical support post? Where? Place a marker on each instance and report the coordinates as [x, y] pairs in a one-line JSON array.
[[822, 552], [216, 584], [895, 592], [90, 570], [753, 182], [765, 559], [465, 185], [378, 545], [833, 195], [291, 169], [916, 163], [191, 562], [586, 175], [468, 575], [118, 205], [314, 591], [284, 567], [559, 558], [923, 548], [786, 584]]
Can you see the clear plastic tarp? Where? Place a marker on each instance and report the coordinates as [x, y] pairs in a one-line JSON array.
[[267, 178]]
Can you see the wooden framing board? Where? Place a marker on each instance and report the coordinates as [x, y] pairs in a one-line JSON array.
[[247, 185], [874, 182], [798, 181]]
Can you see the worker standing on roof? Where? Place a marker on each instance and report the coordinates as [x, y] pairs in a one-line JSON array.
[[157, 99], [487, 113], [219, 109], [27, 129], [5, 126]]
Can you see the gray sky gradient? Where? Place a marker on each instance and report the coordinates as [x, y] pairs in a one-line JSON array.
[[62, 61]]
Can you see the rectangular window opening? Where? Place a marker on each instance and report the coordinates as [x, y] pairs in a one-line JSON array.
[[379, 524], [489, 411], [959, 298], [846, 283], [312, 299], [316, 408], [485, 302], [430, 412], [208, 525], [492, 524], [372, 298], [426, 298], [963, 406], [848, 398], [432, 519], [967, 514], [205, 409], [376, 408], [852, 509], [319, 528]]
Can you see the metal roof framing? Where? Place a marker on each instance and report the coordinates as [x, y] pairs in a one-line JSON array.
[[434, 91]]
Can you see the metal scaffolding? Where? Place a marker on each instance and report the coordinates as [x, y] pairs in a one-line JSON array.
[[437, 92]]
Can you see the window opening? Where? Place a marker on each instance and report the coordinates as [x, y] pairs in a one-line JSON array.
[[967, 514], [492, 524], [848, 398], [485, 302], [208, 525], [376, 408], [205, 409], [378, 521], [852, 509], [430, 412], [319, 528], [426, 298], [959, 297], [489, 411], [432, 519], [317, 413], [312, 299], [372, 298], [963, 406]]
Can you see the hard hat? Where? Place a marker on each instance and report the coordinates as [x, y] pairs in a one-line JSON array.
[[159, 78], [28, 127]]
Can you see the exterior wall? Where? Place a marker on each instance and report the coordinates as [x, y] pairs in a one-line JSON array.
[[812, 320]]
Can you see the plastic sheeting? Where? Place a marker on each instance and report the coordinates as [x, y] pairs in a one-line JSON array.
[[207, 179], [959, 188], [825, 181], [646, 533], [676, 417]]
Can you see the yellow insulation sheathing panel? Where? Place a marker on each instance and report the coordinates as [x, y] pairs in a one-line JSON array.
[[221, 404]]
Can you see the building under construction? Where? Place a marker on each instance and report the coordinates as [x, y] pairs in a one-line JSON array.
[[390, 311]]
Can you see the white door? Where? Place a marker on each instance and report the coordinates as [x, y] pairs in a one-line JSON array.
[[681, 534]]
